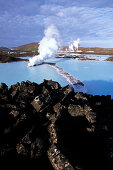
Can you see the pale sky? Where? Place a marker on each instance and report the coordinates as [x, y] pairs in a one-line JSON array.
[[24, 21]]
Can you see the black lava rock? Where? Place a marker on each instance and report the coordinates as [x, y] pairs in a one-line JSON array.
[[53, 127]]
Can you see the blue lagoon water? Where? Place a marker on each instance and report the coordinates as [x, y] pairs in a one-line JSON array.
[[11, 73], [97, 76]]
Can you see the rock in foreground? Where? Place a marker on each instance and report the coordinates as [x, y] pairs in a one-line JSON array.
[[55, 128]]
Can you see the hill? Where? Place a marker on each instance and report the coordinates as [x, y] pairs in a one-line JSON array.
[[93, 50], [4, 49], [33, 47], [28, 47], [97, 50]]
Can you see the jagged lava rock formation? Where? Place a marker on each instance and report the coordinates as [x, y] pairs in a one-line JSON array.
[[53, 127]]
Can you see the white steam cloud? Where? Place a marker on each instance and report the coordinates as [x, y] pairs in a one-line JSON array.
[[76, 43], [48, 46], [74, 46]]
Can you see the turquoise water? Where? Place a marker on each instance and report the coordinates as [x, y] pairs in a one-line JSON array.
[[11, 73], [97, 57], [97, 76]]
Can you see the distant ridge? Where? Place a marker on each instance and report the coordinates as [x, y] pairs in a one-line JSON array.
[[93, 50], [28, 47], [33, 47], [4, 49]]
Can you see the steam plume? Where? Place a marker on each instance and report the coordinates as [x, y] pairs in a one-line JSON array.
[[48, 46], [74, 46]]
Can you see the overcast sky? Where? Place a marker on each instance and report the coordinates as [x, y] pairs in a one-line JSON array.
[[24, 21]]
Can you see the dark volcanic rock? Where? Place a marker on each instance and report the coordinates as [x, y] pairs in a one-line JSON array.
[[55, 127], [58, 160], [109, 58], [7, 59]]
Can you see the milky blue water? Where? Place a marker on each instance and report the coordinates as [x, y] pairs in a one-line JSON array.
[[14, 72], [97, 76]]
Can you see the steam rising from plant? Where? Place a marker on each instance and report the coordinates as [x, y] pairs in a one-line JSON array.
[[48, 46], [74, 46]]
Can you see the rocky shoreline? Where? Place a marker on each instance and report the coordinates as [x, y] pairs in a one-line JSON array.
[[55, 128], [109, 58], [7, 59]]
